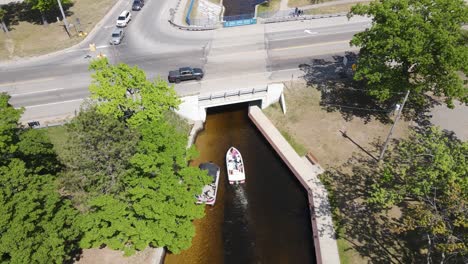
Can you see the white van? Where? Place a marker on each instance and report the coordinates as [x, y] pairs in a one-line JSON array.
[[124, 18]]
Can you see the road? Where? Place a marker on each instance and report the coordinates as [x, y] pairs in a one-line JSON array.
[[53, 87]]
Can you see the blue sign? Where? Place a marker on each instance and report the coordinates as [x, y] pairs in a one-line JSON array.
[[241, 22]]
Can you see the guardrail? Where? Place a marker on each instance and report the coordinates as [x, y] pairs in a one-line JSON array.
[[298, 18], [231, 94], [187, 17]]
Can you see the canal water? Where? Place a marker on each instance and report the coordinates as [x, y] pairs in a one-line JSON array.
[[244, 9], [267, 219]]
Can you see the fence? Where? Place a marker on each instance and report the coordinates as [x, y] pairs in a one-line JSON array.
[[231, 94], [187, 17]]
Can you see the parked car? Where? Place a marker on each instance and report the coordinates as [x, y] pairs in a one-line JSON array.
[[117, 36], [185, 73], [124, 18], [138, 5]]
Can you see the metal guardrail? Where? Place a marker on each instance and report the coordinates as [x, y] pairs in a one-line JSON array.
[[299, 18], [187, 17], [231, 94]]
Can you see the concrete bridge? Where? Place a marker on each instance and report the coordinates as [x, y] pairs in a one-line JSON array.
[[194, 107]]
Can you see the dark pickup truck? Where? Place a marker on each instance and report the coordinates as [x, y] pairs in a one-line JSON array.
[[184, 74]]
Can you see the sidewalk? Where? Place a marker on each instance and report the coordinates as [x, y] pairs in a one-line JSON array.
[[284, 4]]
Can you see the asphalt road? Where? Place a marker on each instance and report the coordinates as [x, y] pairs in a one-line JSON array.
[[53, 86]]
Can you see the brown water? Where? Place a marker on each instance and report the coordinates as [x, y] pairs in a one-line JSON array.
[[266, 220]]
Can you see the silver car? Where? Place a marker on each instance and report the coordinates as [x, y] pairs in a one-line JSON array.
[[117, 36]]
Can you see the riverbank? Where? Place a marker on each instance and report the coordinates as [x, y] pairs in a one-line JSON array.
[[318, 128]]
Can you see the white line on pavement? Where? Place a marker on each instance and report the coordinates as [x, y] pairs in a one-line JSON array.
[[313, 35], [55, 103], [25, 82], [35, 92], [312, 45]]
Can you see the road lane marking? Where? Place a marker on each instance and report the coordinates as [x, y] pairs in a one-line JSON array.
[[312, 45], [26, 82], [54, 103], [312, 35], [310, 32], [35, 92]]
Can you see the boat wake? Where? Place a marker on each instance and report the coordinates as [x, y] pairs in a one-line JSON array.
[[240, 198]]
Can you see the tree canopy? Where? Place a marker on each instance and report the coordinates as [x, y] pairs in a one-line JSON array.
[[124, 92], [154, 204], [428, 174], [37, 224], [46, 5], [97, 154], [413, 45]]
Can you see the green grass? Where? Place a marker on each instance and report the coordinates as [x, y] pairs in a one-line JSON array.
[[58, 136], [29, 39], [332, 9], [299, 3], [180, 124], [300, 149], [270, 6]]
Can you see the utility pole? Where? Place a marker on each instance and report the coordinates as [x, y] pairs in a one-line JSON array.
[[393, 126], [64, 18]]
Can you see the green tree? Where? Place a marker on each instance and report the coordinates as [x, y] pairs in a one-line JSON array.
[[97, 155], [155, 205], [164, 193], [127, 93], [158, 205], [44, 6], [37, 224], [428, 174], [413, 45], [2, 17]]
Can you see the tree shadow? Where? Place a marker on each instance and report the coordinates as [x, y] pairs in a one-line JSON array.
[[372, 234], [22, 12], [339, 92]]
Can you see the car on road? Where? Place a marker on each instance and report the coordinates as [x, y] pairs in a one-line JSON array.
[[123, 19], [184, 74], [117, 36], [138, 5]]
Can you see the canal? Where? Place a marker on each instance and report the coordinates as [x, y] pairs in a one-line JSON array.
[[267, 219]]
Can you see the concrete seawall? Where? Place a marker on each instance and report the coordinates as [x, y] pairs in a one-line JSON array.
[[307, 173]]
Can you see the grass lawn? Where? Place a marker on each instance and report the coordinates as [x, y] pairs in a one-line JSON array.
[[272, 5], [332, 9], [58, 136], [318, 130], [299, 3], [31, 38], [218, 2]]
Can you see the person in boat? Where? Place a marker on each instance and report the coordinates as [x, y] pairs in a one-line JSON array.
[[238, 160], [230, 167]]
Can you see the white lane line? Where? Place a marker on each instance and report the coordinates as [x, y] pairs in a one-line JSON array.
[[310, 32], [312, 45], [55, 103], [25, 82], [321, 35], [35, 92]]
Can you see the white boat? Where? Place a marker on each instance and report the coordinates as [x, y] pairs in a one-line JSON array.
[[235, 166], [209, 192]]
